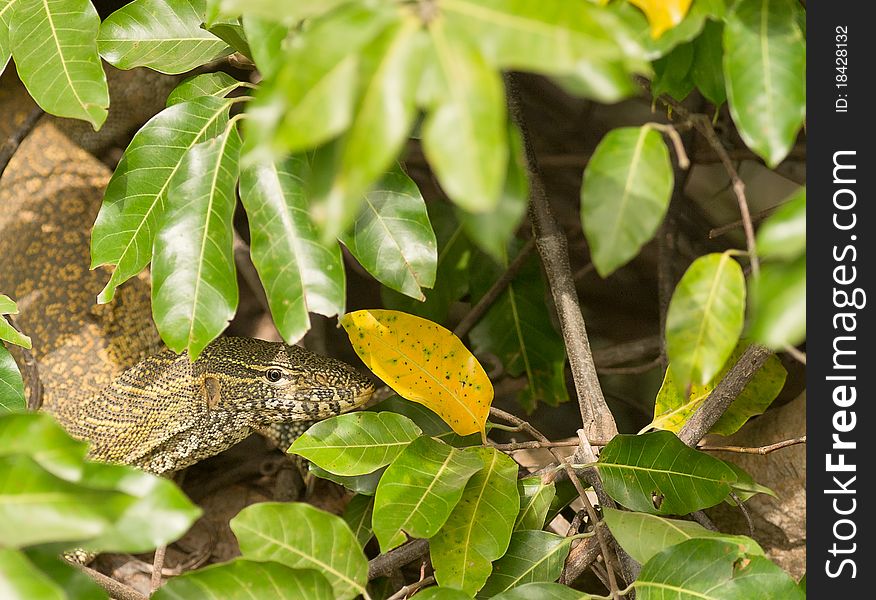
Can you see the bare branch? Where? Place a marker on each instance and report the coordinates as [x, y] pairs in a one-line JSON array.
[[761, 450], [383, 565], [114, 588]]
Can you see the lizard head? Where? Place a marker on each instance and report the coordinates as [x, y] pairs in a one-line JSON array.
[[276, 382]]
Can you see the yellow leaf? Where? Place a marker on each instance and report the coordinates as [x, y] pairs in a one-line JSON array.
[[662, 14], [424, 363]]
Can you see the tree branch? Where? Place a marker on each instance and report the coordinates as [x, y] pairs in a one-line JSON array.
[[114, 588], [727, 390], [383, 565], [7, 150]]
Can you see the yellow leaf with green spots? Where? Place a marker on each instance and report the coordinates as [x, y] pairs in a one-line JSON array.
[[672, 410], [663, 15], [424, 363]]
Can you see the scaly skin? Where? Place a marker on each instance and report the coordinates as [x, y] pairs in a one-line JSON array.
[[102, 369]]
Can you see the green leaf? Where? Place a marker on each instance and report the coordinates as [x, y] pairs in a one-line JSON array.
[[7, 332], [303, 537], [644, 536], [492, 231], [419, 490], [542, 591], [783, 235], [478, 529], [243, 579], [217, 84], [359, 484], [672, 73], [313, 95], [745, 486], [439, 593], [778, 304], [656, 473], [11, 385], [687, 30], [392, 237], [49, 494], [431, 423], [705, 318], [357, 443], [287, 11], [713, 569], [266, 38], [535, 500], [300, 273], [451, 270], [518, 330], [674, 406], [578, 41], [6, 7], [389, 71], [194, 283], [136, 196], [55, 50], [706, 70], [231, 32], [627, 186], [22, 580], [164, 35], [765, 72], [532, 556], [464, 134], [75, 583], [357, 515]]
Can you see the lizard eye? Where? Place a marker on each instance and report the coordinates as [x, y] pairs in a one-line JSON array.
[[273, 375]]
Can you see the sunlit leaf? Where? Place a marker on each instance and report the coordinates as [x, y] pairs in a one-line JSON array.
[[765, 73], [303, 537], [136, 196], [464, 135], [542, 591], [517, 329], [7, 332], [6, 7], [389, 69], [231, 32], [164, 35], [442, 593], [492, 231], [688, 29], [427, 420], [451, 270], [673, 408], [778, 304], [663, 14], [357, 443], [643, 535], [266, 38], [626, 191], [713, 569], [783, 234], [705, 318], [194, 282], [478, 530], [656, 473], [532, 556], [425, 363], [535, 500], [392, 237], [217, 84], [22, 580], [243, 579], [358, 484], [11, 385], [286, 11], [419, 490], [300, 274], [54, 44]]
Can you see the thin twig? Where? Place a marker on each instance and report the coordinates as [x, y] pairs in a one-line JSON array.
[[632, 370], [7, 150], [385, 564], [496, 290], [796, 354], [756, 217], [703, 124], [157, 565], [410, 589], [727, 390], [672, 132], [761, 450], [513, 446], [114, 588]]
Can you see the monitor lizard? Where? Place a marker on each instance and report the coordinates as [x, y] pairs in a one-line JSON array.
[[102, 369]]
